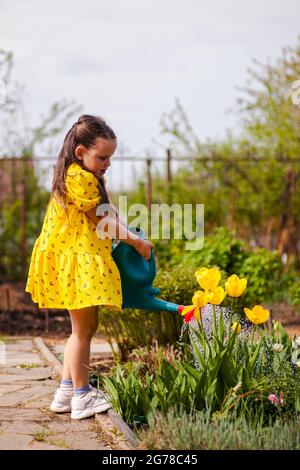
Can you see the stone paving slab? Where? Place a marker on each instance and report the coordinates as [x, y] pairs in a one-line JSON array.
[[13, 375], [26, 391], [98, 347], [21, 414]]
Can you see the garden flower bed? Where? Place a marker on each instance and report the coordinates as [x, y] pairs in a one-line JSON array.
[[231, 372]]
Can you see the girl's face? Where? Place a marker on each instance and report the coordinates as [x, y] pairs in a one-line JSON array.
[[96, 159]]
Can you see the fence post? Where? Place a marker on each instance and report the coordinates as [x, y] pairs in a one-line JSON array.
[[8, 299], [149, 185], [13, 178], [23, 250], [169, 175]]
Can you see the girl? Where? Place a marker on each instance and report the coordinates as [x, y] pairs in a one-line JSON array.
[[71, 267]]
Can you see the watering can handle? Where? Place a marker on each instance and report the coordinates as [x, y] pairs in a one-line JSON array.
[[135, 230], [142, 235]]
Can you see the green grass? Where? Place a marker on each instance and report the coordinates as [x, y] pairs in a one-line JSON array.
[[198, 432], [42, 434], [31, 365]]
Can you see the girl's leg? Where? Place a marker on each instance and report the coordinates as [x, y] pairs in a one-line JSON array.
[[77, 350]]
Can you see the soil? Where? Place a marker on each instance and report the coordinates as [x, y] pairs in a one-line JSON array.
[[289, 316], [20, 316]]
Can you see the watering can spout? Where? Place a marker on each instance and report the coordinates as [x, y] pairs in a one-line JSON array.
[[159, 304], [137, 276]]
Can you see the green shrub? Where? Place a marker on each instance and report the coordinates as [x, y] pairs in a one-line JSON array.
[[265, 274], [220, 249], [177, 284], [184, 431], [267, 283], [129, 393], [130, 329], [267, 280]]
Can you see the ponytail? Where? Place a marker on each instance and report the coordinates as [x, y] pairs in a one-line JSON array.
[[83, 132]]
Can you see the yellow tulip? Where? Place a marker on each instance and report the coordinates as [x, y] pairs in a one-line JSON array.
[[217, 296], [200, 298], [235, 286], [257, 315], [236, 327], [208, 279], [194, 311]]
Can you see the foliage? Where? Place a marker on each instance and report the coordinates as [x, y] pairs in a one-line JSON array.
[[19, 138], [294, 292], [269, 282], [271, 119], [130, 329], [152, 357], [177, 283], [220, 249], [185, 431], [129, 395], [265, 272], [10, 227], [222, 374], [250, 181]]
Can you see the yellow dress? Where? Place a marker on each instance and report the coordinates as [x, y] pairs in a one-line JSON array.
[[70, 266]]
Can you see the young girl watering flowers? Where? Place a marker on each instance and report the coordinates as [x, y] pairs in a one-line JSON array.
[[71, 267]]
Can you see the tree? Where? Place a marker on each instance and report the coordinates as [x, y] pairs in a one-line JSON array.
[[22, 209], [248, 182], [17, 136], [271, 118]]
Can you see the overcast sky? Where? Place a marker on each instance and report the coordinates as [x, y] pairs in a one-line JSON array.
[[127, 60]]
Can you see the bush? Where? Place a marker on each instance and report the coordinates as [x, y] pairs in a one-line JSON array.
[[184, 431], [220, 249], [130, 329], [225, 374], [267, 280], [267, 283]]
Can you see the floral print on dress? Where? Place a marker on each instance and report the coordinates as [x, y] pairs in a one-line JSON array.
[[70, 266]]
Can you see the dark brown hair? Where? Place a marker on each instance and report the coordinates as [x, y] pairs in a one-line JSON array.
[[83, 132]]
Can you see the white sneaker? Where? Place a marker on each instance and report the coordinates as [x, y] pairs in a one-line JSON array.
[[89, 404], [61, 402]]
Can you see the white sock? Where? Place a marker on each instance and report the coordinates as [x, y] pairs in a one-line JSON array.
[[66, 386]]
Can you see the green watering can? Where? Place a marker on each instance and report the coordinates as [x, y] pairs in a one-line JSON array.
[[137, 276]]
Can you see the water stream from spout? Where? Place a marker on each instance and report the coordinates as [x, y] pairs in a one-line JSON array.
[[208, 325]]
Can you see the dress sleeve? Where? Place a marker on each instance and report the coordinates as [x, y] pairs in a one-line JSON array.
[[82, 189]]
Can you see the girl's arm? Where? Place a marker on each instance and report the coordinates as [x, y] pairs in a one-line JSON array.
[[117, 214], [114, 229]]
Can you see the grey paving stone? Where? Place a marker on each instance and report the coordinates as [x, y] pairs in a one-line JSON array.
[[13, 442], [27, 393], [26, 421], [8, 415], [35, 445], [14, 374]]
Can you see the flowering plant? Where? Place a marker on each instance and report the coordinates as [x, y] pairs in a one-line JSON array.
[[214, 294]]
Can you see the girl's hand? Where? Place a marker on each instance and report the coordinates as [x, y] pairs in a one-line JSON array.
[[144, 247]]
